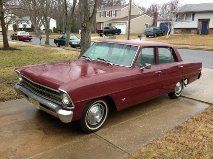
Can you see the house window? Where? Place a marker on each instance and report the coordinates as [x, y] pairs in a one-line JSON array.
[[107, 14], [114, 13], [103, 14], [24, 26], [193, 16]]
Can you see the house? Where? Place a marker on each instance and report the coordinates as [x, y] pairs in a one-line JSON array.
[[195, 19], [118, 16], [25, 23]]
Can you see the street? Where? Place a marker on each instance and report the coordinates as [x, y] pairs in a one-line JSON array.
[[206, 57]]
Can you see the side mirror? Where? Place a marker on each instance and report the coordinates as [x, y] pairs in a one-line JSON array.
[[146, 66]]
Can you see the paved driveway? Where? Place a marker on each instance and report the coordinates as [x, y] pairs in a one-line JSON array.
[[28, 133]]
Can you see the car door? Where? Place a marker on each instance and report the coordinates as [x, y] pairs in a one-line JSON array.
[[146, 79], [171, 69]]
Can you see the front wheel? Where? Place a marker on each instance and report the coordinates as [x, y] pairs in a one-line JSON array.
[[94, 116], [177, 91], [58, 45]]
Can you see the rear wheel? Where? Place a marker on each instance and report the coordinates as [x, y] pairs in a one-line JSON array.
[[94, 115], [177, 91]]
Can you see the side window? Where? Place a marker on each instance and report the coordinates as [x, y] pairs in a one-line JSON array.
[[147, 56], [165, 55]]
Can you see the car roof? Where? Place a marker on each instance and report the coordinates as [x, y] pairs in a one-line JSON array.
[[134, 42]]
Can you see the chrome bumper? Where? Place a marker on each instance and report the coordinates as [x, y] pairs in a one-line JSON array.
[[49, 107]]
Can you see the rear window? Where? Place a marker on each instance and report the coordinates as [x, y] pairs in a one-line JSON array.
[[165, 55]]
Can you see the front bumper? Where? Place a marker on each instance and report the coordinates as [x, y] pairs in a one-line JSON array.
[[47, 106], [75, 45]]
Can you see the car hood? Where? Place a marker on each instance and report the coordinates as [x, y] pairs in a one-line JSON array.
[[55, 75]]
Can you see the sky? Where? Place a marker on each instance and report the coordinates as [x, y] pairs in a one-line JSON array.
[[147, 3]]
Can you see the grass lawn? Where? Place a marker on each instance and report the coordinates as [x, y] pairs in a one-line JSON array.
[[188, 41], [193, 139], [26, 54]]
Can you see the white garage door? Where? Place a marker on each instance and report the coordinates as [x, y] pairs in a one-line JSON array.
[[121, 26]]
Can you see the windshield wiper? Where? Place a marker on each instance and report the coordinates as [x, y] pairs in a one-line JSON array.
[[87, 58], [104, 60]]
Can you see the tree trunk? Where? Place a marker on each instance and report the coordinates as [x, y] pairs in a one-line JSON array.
[[4, 28], [86, 24], [85, 37], [47, 31]]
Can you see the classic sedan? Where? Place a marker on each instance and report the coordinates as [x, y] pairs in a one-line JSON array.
[[21, 36], [110, 74], [74, 41]]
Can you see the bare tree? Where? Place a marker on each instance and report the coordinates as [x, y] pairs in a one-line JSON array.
[[40, 12], [167, 13], [87, 17], [68, 18], [59, 15], [110, 3], [3, 25], [153, 11]]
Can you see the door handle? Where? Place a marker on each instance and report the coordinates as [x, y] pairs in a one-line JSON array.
[[158, 72], [180, 66]]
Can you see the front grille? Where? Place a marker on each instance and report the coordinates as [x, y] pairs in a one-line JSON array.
[[41, 91]]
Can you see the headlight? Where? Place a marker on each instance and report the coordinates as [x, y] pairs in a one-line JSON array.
[[65, 99], [19, 76]]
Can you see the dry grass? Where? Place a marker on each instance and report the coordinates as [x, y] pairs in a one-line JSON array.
[[22, 55], [193, 139], [188, 41]]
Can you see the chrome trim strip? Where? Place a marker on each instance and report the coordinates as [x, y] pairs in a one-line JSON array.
[[18, 72], [135, 56]]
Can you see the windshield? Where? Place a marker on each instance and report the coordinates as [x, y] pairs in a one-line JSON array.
[[118, 54], [73, 37], [149, 29], [23, 33]]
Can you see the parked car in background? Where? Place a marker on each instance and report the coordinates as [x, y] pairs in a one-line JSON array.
[[21, 36], [153, 32], [74, 41], [109, 31], [111, 74]]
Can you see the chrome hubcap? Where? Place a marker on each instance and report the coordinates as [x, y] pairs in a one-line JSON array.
[[95, 114], [178, 88]]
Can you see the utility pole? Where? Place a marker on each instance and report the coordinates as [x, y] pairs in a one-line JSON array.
[[129, 19]]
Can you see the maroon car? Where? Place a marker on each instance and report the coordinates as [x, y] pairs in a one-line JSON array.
[[111, 74], [21, 36]]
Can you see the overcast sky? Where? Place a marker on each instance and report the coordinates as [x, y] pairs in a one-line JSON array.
[[147, 3]]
